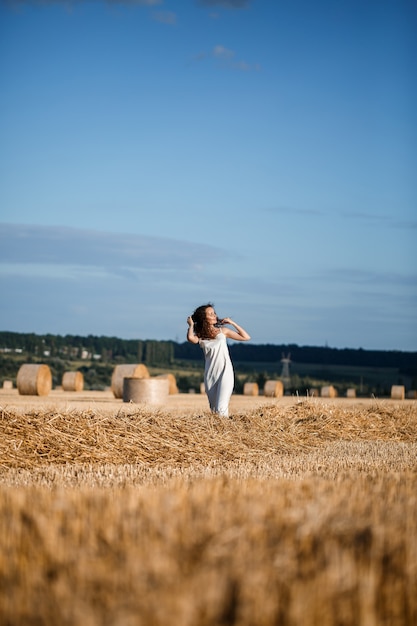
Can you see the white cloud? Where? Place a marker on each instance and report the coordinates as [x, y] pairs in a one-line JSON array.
[[165, 17], [227, 58], [223, 53], [247, 67], [112, 253]]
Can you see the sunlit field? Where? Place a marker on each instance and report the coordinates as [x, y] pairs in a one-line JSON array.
[[297, 511]]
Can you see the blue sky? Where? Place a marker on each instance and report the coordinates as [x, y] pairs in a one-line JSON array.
[[261, 155]]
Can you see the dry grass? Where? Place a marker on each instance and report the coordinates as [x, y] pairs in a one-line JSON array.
[[304, 514], [41, 437]]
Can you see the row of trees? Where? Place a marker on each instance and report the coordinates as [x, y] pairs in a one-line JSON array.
[[165, 353], [268, 353], [75, 347]]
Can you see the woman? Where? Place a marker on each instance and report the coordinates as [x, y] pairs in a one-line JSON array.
[[206, 329]]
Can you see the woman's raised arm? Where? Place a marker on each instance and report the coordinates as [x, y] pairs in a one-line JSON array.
[[238, 334]]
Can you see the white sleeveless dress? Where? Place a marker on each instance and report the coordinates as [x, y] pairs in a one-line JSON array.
[[218, 373]]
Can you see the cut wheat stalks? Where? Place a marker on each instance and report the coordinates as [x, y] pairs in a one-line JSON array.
[[331, 461], [301, 514], [41, 437], [262, 553]]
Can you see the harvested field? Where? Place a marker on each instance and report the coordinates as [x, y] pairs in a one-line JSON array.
[[294, 512]]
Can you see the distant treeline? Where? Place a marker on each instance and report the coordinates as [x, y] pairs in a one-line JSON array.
[[405, 362], [91, 347], [153, 352]]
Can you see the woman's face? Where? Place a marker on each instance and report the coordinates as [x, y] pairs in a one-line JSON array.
[[211, 315]]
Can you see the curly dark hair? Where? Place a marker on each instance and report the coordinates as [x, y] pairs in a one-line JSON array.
[[202, 327]]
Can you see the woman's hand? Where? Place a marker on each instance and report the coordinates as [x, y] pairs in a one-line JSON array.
[[238, 334], [191, 337]]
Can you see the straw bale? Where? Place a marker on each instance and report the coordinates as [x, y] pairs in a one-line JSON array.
[[313, 393], [273, 389], [250, 389], [7, 384], [173, 389], [202, 388], [351, 393], [73, 381], [145, 390], [328, 391], [411, 395], [34, 380], [127, 370], [397, 392]]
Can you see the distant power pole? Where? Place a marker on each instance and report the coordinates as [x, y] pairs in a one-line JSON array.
[[285, 373]]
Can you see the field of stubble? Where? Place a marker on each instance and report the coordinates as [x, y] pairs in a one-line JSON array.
[[294, 512]]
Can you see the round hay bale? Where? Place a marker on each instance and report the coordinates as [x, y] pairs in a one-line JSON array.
[[34, 380], [351, 393], [145, 390], [127, 370], [397, 392], [172, 382], [7, 384], [250, 389], [73, 381], [273, 389], [313, 393], [202, 388], [328, 391], [411, 395]]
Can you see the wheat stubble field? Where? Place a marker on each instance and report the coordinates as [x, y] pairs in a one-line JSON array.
[[294, 512]]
